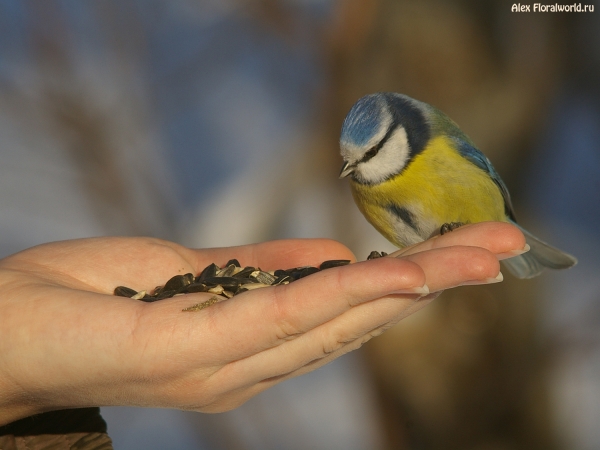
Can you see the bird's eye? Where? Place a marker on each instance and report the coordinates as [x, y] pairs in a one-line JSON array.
[[372, 152]]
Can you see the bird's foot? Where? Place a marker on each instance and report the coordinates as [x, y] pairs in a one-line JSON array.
[[451, 226], [375, 254]]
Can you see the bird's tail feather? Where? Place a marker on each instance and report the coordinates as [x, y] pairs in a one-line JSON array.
[[540, 255]]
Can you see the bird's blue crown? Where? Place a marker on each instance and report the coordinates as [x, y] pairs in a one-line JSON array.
[[364, 120]]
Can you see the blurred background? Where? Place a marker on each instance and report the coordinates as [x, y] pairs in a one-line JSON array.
[[215, 123]]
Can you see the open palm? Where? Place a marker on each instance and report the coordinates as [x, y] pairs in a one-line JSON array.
[[66, 341]]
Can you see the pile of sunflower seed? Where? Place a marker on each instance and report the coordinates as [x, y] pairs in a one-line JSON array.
[[227, 281]]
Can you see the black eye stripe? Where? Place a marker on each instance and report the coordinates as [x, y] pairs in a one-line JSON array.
[[407, 113], [374, 150]]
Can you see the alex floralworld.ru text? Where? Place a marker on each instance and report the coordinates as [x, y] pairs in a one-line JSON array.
[[556, 7]]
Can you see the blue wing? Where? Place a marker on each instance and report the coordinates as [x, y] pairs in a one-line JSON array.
[[480, 160]]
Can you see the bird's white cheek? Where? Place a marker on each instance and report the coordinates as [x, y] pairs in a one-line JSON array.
[[390, 160]]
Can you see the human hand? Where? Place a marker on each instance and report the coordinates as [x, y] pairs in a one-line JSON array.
[[66, 341]]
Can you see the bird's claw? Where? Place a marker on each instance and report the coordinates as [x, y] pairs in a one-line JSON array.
[[451, 226], [375, 254]]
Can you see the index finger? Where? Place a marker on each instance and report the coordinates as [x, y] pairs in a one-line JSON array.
[[280, 254], [265, 318], [502, 239]]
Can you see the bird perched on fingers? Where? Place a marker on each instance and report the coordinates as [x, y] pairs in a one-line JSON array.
[[414, 174]]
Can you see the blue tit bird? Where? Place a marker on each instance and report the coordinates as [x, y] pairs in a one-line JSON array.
[[414, 173]]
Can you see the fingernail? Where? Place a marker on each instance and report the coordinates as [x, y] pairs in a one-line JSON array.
[[514, 252], [497, 279], [421, 290]]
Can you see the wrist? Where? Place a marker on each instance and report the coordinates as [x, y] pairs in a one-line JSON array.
[[12, 410]]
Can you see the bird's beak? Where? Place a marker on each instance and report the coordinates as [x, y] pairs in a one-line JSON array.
[[347, 169]]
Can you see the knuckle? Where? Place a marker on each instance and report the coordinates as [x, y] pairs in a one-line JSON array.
[[286, 331], [404, 271], [331, 346], [340, 282], [371, 334], [285, 326], [335, 341]]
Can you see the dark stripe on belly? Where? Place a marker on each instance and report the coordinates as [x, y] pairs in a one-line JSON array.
[[403, 214]]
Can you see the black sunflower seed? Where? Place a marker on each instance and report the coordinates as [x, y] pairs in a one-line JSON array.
[[156, 290], [177, 282], [164, 294], [196, 287], [208, 272], [303, 272], [228, 283], [124, 291], [334, 263]]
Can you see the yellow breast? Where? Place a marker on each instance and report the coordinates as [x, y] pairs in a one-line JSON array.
[[439, 186]]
